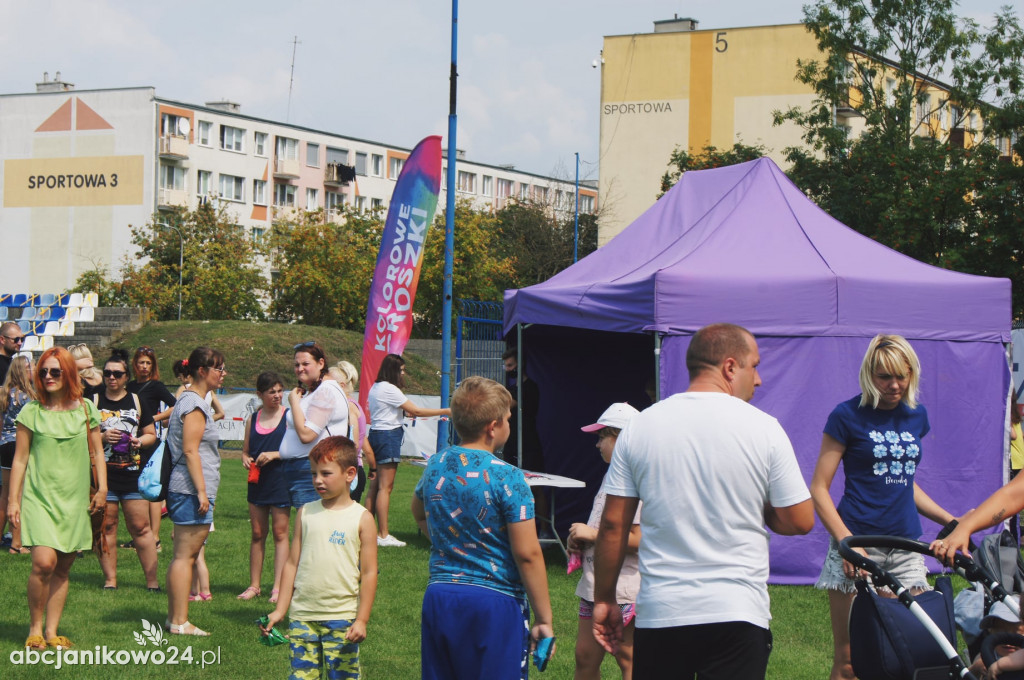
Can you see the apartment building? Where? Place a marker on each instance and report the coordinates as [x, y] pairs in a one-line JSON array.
[[79, 167], [687, 87]]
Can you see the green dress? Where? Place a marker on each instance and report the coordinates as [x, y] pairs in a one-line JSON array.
[[55, 500]]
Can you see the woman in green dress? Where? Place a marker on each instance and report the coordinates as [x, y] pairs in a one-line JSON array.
[[49, 497]]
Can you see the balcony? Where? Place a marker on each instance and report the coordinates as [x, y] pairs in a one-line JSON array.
[[173, 146], [284, 167], [168, 199], [339, 174]]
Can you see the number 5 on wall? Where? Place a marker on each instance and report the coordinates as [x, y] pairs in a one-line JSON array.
[[721, 45]]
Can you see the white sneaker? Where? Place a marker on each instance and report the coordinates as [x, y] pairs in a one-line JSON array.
[[390, 541]]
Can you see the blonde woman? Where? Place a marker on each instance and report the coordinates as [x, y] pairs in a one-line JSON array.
[[348, 377], [17, 391], [876, 436], [91, 377]]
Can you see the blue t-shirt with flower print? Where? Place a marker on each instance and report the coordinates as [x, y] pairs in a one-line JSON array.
[[883, 450]]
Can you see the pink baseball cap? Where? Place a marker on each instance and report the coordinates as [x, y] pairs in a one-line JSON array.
[[616, 415]]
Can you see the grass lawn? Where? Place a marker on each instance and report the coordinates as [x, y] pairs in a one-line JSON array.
[[96, 617]]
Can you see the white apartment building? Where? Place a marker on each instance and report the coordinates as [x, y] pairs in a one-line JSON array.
[[79, 167]]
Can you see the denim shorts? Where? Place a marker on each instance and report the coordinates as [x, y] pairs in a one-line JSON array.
[[387, 445], [908, 567], [117, 497], [298, 477], [183, 508]]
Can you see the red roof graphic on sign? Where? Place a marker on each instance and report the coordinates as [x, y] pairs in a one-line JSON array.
[[84, 118]]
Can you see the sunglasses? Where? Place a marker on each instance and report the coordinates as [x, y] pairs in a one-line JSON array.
[[303, 345], [16, 339], [113, 374], [145, 350], [53, 372], [222, 369]]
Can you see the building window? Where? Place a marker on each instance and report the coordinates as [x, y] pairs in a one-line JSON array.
[[203, 186], [260, 143], [586, 204], [360, 163], [524, 191], [333, 200], [170, 124], [284, 195], [312, 155], [287, 149], [444, 177], [377, 163], [487, 185], [259, 192], [924, 107], [466, 182], [312, 202], [232, 188], [258, 233], [540, 194], [232, 138], [376, 203], [890, 91], [172, 177], [360, 202], [395, 166], [504, 188], [337, 156], [203, 134]]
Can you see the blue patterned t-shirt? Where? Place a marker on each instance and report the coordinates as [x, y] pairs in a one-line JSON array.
[[470, 497], [883, 451]]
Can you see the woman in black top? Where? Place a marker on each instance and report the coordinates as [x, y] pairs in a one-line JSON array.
[[126, 427], [159, 402]]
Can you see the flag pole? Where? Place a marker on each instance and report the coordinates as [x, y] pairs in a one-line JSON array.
[[449, 238]]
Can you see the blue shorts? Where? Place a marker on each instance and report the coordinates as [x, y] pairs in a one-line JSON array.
[[298, 477], [387, 445], [473, 632], [183, 508], [117, 497]]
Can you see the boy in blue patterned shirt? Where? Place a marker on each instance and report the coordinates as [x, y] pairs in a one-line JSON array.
[[485, 559]]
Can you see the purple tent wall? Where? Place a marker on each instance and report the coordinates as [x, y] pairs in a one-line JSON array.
[[963, 386]]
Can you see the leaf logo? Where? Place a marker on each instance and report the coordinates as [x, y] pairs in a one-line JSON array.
[[139, 640], [151, 632]]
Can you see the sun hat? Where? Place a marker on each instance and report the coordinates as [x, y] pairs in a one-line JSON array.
[[999, 612], [616, 415]]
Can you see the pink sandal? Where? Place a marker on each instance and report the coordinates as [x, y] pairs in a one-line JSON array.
[[200, 597], [249, 593], [273, 596]]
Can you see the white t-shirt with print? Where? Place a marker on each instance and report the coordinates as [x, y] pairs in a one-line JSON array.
[[385, 402]]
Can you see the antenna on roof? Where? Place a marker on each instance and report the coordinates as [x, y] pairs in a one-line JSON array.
[[291, 80]]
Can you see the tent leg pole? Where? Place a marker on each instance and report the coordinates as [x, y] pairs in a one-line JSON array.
[[657, 367], [519, 395]]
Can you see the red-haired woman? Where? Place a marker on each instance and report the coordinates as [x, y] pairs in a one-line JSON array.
[[50, 479]]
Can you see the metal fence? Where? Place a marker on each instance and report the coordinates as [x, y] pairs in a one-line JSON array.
[[478, 341]]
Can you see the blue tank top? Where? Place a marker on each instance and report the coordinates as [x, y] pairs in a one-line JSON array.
[[271, 441]]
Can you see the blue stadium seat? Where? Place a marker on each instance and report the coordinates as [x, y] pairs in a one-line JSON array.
[[29, 313], [6, 299], [57, 313], [46, 300], [19, 300], [62, 299], [27, 327], [3, 314]]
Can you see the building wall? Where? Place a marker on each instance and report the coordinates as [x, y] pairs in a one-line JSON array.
[[690, 89]]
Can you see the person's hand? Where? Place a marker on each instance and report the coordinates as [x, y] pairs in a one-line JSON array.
[[581, 535], [204, 503], [266, 457], [98, 502], [356, 632], [993, 670], [246, 461], [14, 514], [371, 475], [945, 549], [607, 622], [849, 570], [540, 631], [273, 618], [295, 396], [112, 436], [136, 442]]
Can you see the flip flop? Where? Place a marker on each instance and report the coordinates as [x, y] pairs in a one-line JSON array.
[[179, 629]]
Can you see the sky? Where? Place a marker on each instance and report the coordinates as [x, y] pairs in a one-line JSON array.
[[528, 94]]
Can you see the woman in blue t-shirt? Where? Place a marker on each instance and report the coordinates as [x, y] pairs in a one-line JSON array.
[[877, 438]]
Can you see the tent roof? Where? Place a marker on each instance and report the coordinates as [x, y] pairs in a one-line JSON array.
[[743, 244]]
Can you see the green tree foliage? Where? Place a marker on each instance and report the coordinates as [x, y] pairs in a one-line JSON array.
[[903, 180], [324, 270], [538, 240], [98, 280], [709, 157], [222, 276]]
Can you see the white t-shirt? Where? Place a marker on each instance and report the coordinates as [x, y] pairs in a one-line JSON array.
[[385, 402], [704, 464], [326, 411]]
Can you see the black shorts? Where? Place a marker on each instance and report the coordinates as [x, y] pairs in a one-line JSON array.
[[357, 494], [735, 650], [6, 455]]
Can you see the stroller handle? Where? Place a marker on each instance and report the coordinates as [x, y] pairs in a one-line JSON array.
[[966, 566]]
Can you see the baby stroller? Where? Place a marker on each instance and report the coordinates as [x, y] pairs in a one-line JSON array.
[[999, 557], [912, 638]]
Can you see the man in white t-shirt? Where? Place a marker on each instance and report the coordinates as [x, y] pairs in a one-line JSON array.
[[712, 471]]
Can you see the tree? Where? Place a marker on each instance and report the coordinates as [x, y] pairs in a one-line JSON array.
[[537, 239], [98, 280], [682, 160], [905, 180], [324, 270], [222, 276]]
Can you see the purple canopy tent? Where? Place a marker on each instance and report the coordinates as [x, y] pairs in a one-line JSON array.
[[743, 244]]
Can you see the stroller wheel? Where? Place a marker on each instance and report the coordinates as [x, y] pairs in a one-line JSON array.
[[988, 651]]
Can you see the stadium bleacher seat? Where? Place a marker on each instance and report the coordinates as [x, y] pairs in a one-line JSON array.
[[62, 299], [20, 300], [45, 342], [87, 314], [31, 343], [71, 313], [3, 314], [51, 328], [6, 299], [92, 300], [27, 327], [75, 300], [29, 313], [67, 328], [57, 313], [46, 300]]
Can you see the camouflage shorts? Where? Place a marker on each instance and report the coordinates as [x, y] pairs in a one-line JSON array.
[[320, 647]]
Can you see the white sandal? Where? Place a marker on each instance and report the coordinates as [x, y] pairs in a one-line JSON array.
[[179, 629]]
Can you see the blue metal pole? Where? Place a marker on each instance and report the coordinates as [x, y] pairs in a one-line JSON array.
[[449, 237], [576, 223]]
